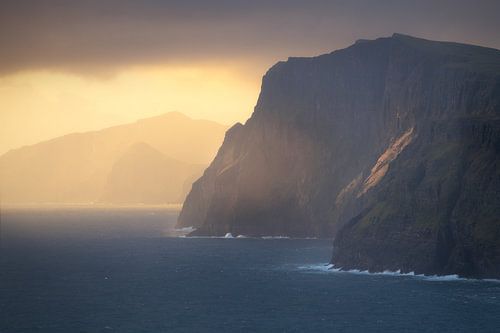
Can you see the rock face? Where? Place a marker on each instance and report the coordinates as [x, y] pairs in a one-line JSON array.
[[390, 146]]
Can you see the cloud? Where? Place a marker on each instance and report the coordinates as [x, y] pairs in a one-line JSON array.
[[95, 35]]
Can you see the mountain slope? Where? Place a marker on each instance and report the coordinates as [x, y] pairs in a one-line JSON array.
[[144, 175], [75, 167], [391, 146]]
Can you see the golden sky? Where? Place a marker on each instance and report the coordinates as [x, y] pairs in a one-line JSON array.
[[69, 66], [37, 105]]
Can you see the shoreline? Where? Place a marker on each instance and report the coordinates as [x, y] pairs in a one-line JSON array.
[[330, 268]]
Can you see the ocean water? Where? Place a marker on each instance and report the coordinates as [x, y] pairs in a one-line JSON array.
[[126, 270]]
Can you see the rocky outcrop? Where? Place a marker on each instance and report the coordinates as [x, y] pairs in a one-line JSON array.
[[391, 146]]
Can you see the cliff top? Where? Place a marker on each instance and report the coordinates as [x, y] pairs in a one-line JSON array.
[[468, 56]]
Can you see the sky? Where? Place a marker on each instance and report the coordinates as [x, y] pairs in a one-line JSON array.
[[70, 66]]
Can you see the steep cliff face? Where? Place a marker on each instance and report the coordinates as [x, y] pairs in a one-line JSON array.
[[437, 210], [392, 146]]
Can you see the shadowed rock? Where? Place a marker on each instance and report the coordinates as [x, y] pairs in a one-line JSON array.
[[391, 146]]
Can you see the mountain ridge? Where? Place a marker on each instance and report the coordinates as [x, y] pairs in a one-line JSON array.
[[162, 117], [75, 167]]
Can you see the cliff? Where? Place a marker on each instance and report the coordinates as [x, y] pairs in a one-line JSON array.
[[390, 146]]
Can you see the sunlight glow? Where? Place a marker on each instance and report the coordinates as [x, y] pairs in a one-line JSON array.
[[39, 105]]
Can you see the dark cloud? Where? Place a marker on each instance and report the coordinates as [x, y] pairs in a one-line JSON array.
[[88, 35]]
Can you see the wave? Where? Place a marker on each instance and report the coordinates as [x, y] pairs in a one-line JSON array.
[[231, 236], [186, 229], [329, 268]]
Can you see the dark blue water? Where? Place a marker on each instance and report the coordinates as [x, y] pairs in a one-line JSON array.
[[116, 271]]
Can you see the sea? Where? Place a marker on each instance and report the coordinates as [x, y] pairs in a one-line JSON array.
[[115, 269]]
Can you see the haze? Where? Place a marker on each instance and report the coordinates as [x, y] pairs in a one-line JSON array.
[[151, 161], [76, 66]]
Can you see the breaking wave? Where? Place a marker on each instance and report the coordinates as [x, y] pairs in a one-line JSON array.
[[186, 229], [329, 268], [231, 236]]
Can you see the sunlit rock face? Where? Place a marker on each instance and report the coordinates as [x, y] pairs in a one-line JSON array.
[[391, 146]]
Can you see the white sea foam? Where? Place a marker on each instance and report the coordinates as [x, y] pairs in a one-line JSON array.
[[186, 229], [329, 268], [231, 236], [319, 268]]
